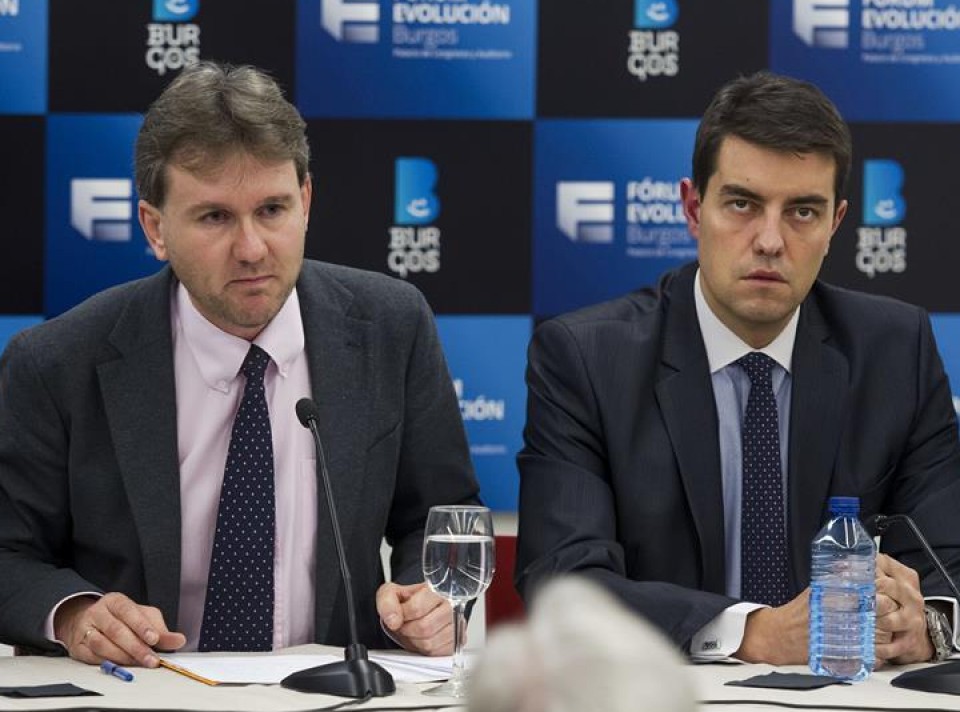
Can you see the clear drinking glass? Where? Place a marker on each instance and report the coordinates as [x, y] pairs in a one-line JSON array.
[[458, 564]]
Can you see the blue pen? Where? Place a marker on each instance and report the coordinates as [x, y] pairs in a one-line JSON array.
[[113, 669]]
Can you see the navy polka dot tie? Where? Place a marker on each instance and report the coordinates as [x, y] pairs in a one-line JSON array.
[[238, 614], [763, 544]]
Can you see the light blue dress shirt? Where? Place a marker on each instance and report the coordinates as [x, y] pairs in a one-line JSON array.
[[731, 387]]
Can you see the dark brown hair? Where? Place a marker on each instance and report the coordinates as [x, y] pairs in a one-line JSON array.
[[774, 112]]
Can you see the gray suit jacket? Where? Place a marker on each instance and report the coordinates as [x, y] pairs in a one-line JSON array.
[[620, 473], [89, 475]]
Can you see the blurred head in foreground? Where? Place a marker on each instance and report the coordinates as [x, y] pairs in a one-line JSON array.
[[580, 651]]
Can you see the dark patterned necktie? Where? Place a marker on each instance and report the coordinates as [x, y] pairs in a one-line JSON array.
[[763, 544], [238, 613]]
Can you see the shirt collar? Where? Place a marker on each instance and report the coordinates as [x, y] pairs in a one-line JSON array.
[[724, 347], [220, 355]]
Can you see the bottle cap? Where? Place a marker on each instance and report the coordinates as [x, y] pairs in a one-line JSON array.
[[845, 505]]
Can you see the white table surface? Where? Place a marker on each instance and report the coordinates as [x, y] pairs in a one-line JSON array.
[[163, 689], [875, 692]]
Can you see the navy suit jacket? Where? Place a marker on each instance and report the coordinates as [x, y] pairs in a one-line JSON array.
[[620, 471], [89, 473]]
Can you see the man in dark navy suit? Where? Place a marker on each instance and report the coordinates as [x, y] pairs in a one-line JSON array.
[[632, 469]]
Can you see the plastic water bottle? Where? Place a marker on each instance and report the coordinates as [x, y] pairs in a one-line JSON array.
[[842, 595]]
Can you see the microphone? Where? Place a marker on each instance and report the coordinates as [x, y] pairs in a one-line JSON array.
[[945, 677], [881, 522], [356, 675]]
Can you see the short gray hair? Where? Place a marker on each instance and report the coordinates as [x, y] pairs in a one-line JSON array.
[[580, 651], [210, 111]]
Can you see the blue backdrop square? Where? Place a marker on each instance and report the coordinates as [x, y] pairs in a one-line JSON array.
[[487, 356], [395, 59]]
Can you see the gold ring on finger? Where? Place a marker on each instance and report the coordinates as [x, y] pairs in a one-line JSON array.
[[86, 634]]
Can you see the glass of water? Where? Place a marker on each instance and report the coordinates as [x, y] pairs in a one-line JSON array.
[[458, 564]]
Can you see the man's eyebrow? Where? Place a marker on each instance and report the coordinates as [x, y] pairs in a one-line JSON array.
[[812, 199], [212, 205], [278, 198], [735, 190]]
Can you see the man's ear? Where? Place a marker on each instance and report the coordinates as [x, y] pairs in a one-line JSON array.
[[690, 199], [838, 216], [837, 219], [306, 195], [151, 220]]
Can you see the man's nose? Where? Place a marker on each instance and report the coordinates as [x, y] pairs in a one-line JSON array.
[[769, 238], [249, 245]]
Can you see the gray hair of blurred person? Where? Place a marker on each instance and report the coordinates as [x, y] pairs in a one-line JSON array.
[[209, 112], [580, 651]]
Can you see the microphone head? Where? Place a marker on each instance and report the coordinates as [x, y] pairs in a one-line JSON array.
[[307, 410], [877, 524]]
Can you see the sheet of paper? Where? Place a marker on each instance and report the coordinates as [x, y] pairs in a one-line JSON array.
[[271, 669], [439, 668]]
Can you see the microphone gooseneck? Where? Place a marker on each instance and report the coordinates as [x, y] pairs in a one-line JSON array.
[[308, 413], [881, 522], [944, 677], [355, 676]]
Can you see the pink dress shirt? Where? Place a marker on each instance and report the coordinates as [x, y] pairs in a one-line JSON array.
[[209, 387]]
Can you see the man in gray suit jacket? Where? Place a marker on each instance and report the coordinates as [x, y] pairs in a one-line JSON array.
[[115, 417], [631, 470]]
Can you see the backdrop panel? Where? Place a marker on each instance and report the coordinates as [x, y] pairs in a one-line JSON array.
[[511, 158], [486, 356], [442, 204], [607, 212], [22, 211], [899, 237], [117, 55], [890, 60], [644, 57]]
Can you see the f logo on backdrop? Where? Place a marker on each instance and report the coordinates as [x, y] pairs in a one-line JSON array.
[[351, 20], [102, 208], [822, 23], [585, 210], [91, 208]]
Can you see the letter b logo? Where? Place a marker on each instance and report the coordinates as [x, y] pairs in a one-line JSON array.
[[415, 202]]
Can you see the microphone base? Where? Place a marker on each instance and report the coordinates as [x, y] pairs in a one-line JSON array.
[[943, 678], [355, 677]]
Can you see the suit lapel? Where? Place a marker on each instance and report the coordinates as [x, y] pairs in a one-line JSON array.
[[337, 349], [818, 406], [685, 395], [139, 397]]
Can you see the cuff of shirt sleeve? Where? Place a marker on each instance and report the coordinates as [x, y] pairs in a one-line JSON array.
[[48, 630], [721, 637]]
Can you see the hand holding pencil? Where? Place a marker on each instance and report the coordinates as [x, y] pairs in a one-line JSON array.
[[114, 628]]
